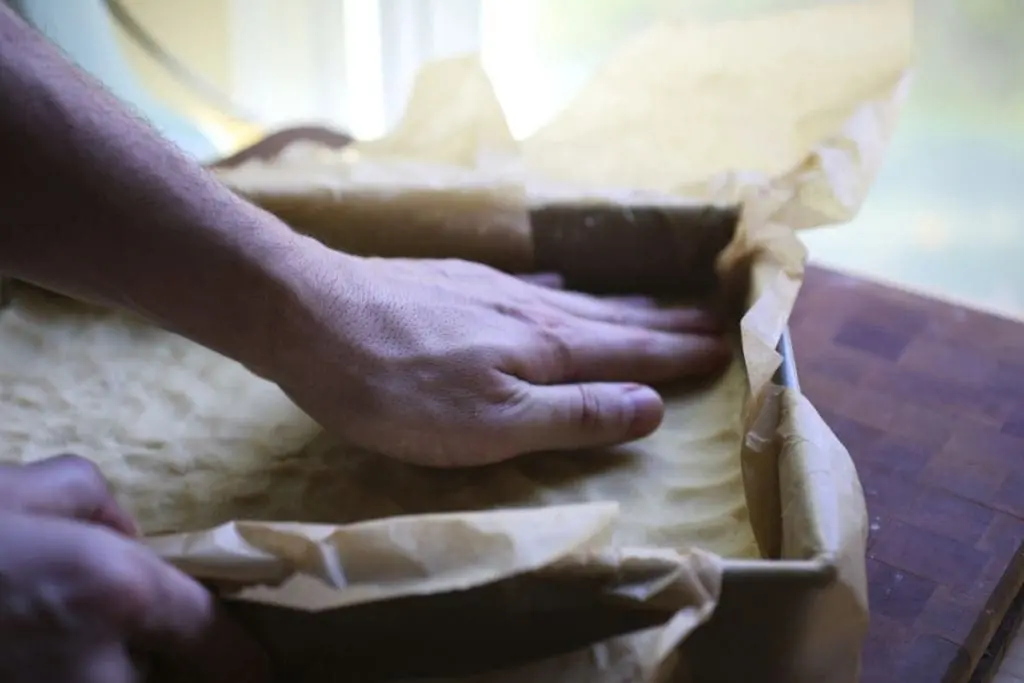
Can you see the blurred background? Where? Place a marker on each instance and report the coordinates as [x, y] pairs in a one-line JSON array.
[[946, 216]]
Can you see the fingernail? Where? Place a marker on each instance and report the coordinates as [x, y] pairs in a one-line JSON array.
[[648, 410]]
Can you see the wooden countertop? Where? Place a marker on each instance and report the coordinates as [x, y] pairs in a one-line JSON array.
[[929, 399]]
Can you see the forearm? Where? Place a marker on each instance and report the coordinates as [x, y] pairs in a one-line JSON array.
[[97, 205]]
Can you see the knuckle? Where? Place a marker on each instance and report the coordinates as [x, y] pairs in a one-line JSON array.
[[83, 470], [550, 357], [475, 361], [561, 351], [652, 348], [644, 341], [588, 411], [83, 480], [453, 267], [521, 312]]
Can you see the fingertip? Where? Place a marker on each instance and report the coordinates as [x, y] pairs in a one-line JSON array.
[[647, 410]]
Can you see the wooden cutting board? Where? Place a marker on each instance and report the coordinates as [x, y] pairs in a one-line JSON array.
[[929, 399]]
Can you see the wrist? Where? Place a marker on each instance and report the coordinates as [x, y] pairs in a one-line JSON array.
[[280, 265], [301, 282], [256, 275]]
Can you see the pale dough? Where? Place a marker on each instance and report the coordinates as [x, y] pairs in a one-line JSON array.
[[189, 440]]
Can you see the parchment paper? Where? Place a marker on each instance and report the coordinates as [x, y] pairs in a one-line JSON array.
[[788, 115]]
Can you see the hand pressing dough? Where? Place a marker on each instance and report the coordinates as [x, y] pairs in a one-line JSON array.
[[189, 440]]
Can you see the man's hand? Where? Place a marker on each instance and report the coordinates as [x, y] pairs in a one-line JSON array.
[[448, 363], [76, 592], [442, 363], [63, 486]]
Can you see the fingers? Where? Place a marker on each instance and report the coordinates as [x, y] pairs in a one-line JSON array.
[[179, 618], [95, 584], [586, 351], [634, 311], [574, 416], [63, 486]]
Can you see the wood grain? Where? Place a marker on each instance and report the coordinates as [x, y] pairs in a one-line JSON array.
[[929, 398]]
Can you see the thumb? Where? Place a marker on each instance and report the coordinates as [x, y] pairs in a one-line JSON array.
[[572, 416]]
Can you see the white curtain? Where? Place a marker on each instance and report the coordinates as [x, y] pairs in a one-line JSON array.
[[350, 63], [344, 63]]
